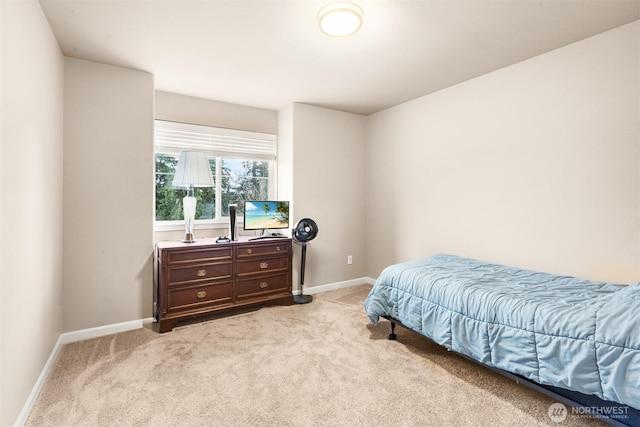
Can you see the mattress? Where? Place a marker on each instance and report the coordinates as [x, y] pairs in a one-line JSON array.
[[555, 330]]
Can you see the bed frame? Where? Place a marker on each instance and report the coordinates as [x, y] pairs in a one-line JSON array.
[[613, 413]]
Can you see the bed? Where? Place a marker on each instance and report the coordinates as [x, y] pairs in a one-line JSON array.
[[559, 333]]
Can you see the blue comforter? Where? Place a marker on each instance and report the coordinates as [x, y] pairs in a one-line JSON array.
[[562, 331]]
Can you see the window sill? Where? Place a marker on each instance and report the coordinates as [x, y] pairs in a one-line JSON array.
[[199, 225]]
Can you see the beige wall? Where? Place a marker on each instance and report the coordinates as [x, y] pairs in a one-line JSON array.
[[108, 196], [31, 200], [328, 187], [535, 165], [188, 109], [285, 156]]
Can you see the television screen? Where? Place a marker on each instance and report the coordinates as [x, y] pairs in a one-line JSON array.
[[265, 214]]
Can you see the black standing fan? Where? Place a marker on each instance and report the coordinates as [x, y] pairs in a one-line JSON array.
[[305, 230]]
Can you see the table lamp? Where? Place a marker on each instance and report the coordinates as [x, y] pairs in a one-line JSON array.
[[193, 170]]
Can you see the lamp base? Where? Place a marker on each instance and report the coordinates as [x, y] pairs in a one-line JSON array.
[[189, 208], [189, 238], [302, 299]]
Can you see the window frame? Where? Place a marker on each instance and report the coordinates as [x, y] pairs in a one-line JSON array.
[[219, 143]]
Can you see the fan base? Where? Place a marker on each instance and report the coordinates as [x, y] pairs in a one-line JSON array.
[[302, 299]]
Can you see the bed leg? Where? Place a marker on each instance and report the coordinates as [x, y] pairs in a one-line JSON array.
[[392, 335]]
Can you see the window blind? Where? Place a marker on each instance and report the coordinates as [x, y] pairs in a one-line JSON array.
[[173, 137]]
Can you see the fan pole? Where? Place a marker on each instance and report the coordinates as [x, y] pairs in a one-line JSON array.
[[302, 298]]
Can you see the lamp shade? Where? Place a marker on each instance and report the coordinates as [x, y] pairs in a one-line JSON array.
[[193, 170]]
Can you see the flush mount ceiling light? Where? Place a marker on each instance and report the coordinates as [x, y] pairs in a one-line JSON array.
[[340, 19]]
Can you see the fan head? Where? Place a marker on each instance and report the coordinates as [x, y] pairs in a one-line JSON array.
[[306, 229]]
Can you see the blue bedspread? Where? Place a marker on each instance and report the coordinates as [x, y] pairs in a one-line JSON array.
[[563, 331]]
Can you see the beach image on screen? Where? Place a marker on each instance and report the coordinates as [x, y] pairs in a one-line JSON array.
[[265, 215]]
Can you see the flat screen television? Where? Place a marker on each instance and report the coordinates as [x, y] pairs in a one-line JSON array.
[[266, 215]]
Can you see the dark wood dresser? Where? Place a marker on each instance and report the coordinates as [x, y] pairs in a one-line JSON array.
[[204, 277]]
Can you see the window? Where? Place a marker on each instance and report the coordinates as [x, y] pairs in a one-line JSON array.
[[242, 163]]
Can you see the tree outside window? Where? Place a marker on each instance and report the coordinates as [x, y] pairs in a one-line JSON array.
[[238, 180]]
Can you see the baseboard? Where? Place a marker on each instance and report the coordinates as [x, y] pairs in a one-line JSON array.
[[336, 285], [37, 387], [65, 338], [85, 334]]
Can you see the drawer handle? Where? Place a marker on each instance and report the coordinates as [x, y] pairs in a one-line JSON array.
[[263, 285], [249, 251], [277, 248], [202, 294], [264, 265], [201, 273]]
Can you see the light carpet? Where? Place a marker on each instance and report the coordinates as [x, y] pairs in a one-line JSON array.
[[319, 364]]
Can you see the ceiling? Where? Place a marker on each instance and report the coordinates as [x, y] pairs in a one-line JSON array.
[[270, 53]]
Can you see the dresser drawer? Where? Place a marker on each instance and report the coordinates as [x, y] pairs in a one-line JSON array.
[[275, 248], [189, 272], [248, 288], [199, 255], [188, 297], [263, 265]]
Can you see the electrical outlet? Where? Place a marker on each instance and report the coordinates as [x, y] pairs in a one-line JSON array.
[[349, 260]]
